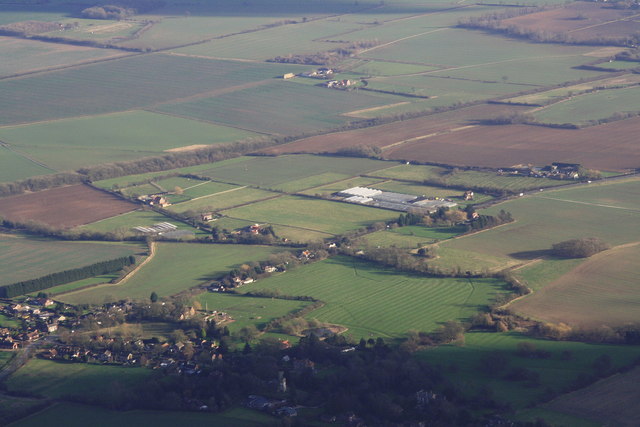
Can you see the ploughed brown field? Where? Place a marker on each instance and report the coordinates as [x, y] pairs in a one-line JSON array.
[[453, 138], [581, 21], [393, 133], [64, 207], [613, 146]]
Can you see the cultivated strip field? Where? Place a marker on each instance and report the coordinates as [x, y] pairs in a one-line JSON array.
[[612, 400], [66, 206], [601, 291], [23, 259]]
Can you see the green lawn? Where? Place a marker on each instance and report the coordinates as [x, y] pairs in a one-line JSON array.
[[313, 214], [76, 415], [432, 233], [246, 310], [369, 299], [68, 287], [59, 380], [23, 258], [174, 268], [223, 200], [463, 365]]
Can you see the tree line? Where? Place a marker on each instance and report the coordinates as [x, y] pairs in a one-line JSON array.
[[62, 277]]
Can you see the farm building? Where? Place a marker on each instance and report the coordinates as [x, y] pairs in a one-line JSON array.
[[159, 228], [390, 200]]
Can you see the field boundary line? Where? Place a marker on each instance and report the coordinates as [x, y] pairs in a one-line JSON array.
[[589, 204], [430, 135], [626, 18], [211, 195], [402, 39], [111, 217], [25, 156]]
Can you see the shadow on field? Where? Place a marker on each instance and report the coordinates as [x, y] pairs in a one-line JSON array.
[[529, 255]]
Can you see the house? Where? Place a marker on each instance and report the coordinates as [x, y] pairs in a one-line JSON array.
[[468, 195], [158, 200], [288, 76], [205, 217]]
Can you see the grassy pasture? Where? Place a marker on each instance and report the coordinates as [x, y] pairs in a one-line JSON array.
[[110, 86], [312, 214], [72, 286], [75, 415], [280, 107], [130, 180], [17, 12], [619, 65], [200, 189], [389, 238], [463, 365], [381, 68], [21, 56], [546, 97], [371, 300], [175, 267], [270, 172], [223, 200], [6, 322], [133, 219], [623, 194], [137, 133], [247, 311], [466, 178], [59, 380], [14, 167], [22, 258], [433, 233], [601, 290], [592, 106]]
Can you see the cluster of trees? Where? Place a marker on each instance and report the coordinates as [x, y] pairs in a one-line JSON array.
[[329, 57], [107, 12], [579, 248], [54, 279], [38, 183], [482, 222], [369, 151]]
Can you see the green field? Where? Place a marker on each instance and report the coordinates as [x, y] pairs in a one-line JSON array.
[[20, 56], [312, 214], [72, 286], [463, 365], [126, 222], [130, 135], [592, 106], [124, 84], [381, 68], [371, 300], [14, 167], [431, 233], [22, 258], [76, 415], [247, 311], [549, 96], [277, 41], [59, 380], [469, 178], [175, 267], [279, 107], [7, 322], [281, 171], [619, 65], [389, 238], [223, 200]]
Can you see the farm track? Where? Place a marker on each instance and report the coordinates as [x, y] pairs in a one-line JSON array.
[[589, 204]]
